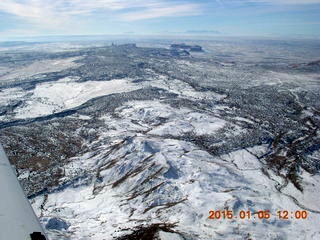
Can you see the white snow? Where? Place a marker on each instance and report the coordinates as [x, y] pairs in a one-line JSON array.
[[177, 121], [186, 174], [9, 94], [243, 160], [40, 67], [139, 171], [48, 98]]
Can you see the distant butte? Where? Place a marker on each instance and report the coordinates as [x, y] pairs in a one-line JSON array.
[[183, 46]]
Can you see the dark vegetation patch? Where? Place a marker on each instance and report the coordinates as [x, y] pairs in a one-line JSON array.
[[148, 232], [43, 149]]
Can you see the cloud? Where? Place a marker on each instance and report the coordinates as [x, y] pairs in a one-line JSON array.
[[59, 11], [175, 10], [35, 12], [20, 9], [77, 16]]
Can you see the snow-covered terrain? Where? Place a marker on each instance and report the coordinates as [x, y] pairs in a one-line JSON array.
[[124, 142], [48, 98], [39, 67], [142, 178]]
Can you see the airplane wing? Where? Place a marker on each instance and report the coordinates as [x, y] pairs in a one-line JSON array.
[[17, 218]]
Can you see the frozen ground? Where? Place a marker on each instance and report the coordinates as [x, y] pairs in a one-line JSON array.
[[174, 181], [38, 67], [48, 98], [117, 142]]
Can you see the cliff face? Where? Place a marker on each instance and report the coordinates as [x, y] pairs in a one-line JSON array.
[[183, 46]]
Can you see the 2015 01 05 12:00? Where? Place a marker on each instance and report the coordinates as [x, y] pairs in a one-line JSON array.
[[261, 214]]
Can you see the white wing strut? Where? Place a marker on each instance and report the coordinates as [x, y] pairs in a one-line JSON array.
[[17, 218]]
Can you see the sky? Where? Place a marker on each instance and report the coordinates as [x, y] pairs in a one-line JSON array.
[[265, 18]]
